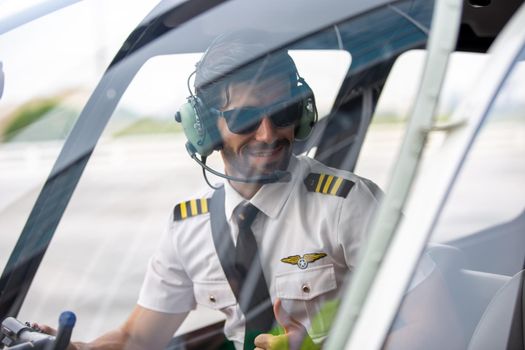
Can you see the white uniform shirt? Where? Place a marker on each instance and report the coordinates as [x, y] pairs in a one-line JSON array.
[[186, 270]]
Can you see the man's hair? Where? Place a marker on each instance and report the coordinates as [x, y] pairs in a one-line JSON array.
[[232, 58]]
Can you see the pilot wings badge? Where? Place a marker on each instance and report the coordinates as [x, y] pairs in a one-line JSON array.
[[302, 261]]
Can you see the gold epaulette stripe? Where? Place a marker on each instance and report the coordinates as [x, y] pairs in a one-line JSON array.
[[328, 184], [318, 187], [336, 185], [190, 208]]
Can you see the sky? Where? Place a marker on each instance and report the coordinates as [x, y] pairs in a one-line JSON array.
[[73, 46]]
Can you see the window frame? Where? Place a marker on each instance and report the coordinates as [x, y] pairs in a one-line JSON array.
[[431, 189]]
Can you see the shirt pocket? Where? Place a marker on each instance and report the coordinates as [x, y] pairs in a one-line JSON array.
[[304, 293], [305, 284], [214, 294]]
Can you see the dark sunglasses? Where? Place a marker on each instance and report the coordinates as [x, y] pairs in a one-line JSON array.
[[246, 120]]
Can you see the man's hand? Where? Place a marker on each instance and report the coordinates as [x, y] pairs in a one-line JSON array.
[[51, 331], [144, 329], [295, 336]]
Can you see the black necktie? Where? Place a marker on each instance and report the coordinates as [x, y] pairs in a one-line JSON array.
[[254, 298]]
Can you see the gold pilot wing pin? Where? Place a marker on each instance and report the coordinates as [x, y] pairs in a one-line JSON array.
[[302, 261]]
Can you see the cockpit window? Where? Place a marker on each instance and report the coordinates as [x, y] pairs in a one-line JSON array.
[[278, 127], [475, 255]]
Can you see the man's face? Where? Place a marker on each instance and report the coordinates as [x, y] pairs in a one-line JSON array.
[[267, 148]]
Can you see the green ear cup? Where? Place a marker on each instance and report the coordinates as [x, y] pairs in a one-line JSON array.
[[307, 121], [199, 126], [309, 115]]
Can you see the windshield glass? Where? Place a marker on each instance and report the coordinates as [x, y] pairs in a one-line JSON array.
[[49, 73], [469, 279], [277, 111]]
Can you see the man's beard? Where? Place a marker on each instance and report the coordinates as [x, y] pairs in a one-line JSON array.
[[240, 165]]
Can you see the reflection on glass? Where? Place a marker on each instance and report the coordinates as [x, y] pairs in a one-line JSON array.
[[311, 219], [472, 295]]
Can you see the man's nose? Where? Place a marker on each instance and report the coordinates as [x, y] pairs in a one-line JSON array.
[[266, 131]]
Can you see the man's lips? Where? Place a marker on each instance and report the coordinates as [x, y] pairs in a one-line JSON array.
[[266, 152]]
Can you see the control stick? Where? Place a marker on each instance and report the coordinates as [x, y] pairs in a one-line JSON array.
[[19, 336]]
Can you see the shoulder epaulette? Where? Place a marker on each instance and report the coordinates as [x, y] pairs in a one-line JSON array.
[[328, 184], [190, 208]]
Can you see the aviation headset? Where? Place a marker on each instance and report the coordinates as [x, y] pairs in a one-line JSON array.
[[200, 122]]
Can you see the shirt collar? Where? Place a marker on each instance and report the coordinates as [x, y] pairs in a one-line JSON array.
[[232, 199], [269, 199]]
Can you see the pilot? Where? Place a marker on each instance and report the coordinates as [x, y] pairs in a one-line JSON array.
[[282, 230], [274, 243]]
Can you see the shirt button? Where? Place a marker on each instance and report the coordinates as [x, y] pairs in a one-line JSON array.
[[212, 299], [305, 288]]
